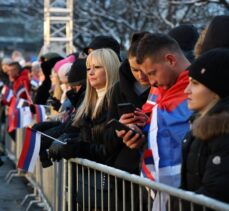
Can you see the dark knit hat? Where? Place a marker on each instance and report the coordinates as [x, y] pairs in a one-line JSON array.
[[212, 70], [104, 42], [217, 35], [77, 73], [186, 35], [48, 56]]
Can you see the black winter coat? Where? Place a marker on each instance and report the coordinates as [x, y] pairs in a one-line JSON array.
[[90, 143], [123, 92], [205, 166]]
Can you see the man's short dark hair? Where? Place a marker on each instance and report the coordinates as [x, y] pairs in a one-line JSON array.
[[154, 45], [17, 65]]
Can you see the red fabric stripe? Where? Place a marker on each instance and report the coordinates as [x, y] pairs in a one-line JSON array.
[[147, 153], [38, 115], [147, 172], [25, 148]]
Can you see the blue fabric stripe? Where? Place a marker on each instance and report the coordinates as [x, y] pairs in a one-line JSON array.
[[172, 128], [18, 118], [152, 97], [30, 151], [149, 160]]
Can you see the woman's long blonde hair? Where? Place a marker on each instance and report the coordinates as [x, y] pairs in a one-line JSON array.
[[109, 60]]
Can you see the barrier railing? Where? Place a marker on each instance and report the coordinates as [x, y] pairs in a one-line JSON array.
[[80, 184], [40, 195], [176, 199]]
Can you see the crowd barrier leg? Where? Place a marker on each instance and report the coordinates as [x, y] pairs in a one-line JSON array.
[[69, 187], [17, 150], [27, 196], [64, 184]]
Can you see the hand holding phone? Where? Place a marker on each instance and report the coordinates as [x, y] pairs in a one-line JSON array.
[[124, 108], [119, 126]]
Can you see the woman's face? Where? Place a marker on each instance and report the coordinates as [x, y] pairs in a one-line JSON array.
[[199, 96], [137, 73], [96, 74]]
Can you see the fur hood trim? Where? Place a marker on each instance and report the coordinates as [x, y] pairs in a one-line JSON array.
[[208, 127]]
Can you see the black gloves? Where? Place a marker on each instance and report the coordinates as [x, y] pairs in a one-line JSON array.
[[55, 103], [72, 96], [44, 158], [65, 150]]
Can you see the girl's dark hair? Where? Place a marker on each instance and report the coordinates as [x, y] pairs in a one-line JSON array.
[[136, 37]]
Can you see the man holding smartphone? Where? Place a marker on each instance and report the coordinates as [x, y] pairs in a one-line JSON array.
[[162, 60]]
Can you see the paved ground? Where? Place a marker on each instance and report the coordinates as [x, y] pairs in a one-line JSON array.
[[12, 194]]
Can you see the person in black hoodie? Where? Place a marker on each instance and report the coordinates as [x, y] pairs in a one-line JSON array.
[[47, 63], [77, 80], [133, 87]]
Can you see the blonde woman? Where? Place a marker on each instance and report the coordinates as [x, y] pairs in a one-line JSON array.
[[102, 74]]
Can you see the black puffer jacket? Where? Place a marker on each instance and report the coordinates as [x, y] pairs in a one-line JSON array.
[[127, 159], [205, 167]]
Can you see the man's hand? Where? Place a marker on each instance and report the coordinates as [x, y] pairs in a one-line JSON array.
[[138, 118], [133, 142]]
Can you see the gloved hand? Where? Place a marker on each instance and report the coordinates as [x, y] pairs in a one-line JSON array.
[[44, 158], [55, 103], [72, 96], [59, 150], [45, 142]]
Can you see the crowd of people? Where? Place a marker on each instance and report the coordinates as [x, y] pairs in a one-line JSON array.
[[177, 83]]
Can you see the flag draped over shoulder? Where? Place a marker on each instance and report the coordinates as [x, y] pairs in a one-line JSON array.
[[30, 150], [169, 123]]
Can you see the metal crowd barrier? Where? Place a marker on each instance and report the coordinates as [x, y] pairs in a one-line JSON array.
[[80, 184], [42, 181], [174, 199]]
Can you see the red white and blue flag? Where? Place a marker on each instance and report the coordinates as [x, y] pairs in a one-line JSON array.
[[30, 150], [22, 117], [40, 113], [20, 102], [168, 125], [7, 94]]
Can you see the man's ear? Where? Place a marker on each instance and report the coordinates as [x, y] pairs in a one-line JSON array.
[[171, 59]]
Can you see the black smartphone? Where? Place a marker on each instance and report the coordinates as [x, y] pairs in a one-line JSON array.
[[119, 126], [124, 108]]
